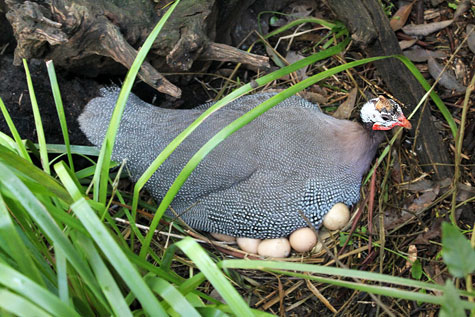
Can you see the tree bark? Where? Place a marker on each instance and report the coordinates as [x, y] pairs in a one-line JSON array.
[[370, 28]]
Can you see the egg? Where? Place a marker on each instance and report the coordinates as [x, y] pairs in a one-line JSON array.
[[276, 248], [337, 217], [248, 244], [303, 239], [223, 237]]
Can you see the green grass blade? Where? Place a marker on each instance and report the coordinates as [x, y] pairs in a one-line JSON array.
[[24, 168], [158, 271], [60, 109], [40, 214], [109, 247], [14, 132], [212, 312], [42, 262], [9, 143], [192, 283], [104, 277], [69, 180], [116, 257], [65, 218], [102, 170], [22, 285], [17, 249], [227, 309], [38, 124], [202, 260], [333, 271], [374, 289], [76, 191], [75, 149], [61, 269], [172, 296], [19, 306], [86, 172]]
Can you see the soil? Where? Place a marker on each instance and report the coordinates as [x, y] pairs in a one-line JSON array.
[[76, 92]]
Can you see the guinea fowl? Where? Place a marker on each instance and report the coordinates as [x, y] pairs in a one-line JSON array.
[[292, 159]]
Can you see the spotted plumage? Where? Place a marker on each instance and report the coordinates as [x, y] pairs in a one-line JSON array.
[[293, 159]]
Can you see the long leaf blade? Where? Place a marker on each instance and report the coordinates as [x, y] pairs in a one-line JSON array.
[[196, 253], [19, 283]]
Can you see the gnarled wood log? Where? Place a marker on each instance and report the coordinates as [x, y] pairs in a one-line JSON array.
[[87, 35]]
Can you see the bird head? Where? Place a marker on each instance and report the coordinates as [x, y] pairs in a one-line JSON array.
[[383, 114]]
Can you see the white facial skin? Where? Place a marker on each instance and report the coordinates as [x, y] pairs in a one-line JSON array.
[[383, 119]]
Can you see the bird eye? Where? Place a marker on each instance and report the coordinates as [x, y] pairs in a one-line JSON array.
[[385, 117]]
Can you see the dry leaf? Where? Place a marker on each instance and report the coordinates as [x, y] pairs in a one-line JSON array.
[[411, 255], [460, 69], [418, 54], [447, 79], [344, 110], [393, 220], [464, 192], [433, 232], [471, 37], [314, 97], [438, 278], [426, 29], [303, 10], [406, 44], [423, 200], [293, 57], [400, 17]]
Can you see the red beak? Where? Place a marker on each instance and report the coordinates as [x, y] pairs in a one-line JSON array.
[[403, 122]]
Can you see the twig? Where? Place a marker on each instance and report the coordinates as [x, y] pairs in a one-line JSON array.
[[458, 145], [372, 189], [168, 234], [319, 295], [276, 299]]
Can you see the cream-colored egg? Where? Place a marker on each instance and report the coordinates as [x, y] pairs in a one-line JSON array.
[[303, 239], [337, 217], [223, 237], [276, 248], [248, 244]]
